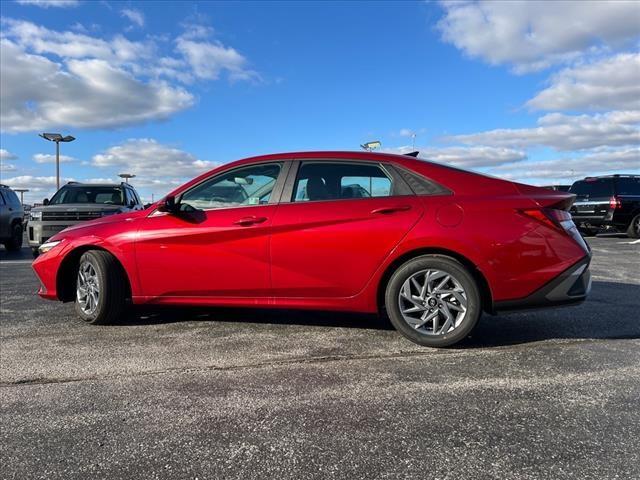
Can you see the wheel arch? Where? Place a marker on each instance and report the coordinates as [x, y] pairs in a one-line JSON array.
[[485, 291], [66, 276]]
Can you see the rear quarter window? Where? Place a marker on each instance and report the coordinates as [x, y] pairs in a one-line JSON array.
[[628, 186]]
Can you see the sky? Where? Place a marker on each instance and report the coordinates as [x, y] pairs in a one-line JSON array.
[[539, 92]]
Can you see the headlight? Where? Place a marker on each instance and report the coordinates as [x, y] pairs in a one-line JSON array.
[[45, 247], [35, 216]]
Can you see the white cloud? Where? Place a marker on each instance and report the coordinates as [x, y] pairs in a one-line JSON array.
[[534, 35], [148, 159], [611, 83], [135, 16], [7, 155], [565, 132], [50, 158], [54, 79], [567, 170], [39, 94], [466, 157], [208, 59], [50, 3], [7, 167]]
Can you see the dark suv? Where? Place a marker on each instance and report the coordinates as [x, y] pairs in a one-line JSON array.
[[78, 202], [11, 217], [611, 201]]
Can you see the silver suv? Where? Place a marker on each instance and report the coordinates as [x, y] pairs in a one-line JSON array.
[[78, 202], [11, 217]]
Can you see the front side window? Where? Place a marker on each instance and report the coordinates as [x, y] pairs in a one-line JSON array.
[[88, 194], [341, 181], [243, 186]]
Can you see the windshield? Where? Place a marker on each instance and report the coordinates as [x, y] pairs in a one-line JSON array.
[[88, 194]]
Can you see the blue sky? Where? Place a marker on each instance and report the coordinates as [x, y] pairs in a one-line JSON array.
[[540, 92]]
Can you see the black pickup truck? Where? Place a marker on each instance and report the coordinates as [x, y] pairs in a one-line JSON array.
[[607, 202]]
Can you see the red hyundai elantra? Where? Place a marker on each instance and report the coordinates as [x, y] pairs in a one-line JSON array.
[[431, 245]]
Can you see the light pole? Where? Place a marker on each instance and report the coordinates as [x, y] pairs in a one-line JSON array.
[[56, 137], [126, 176], [21, 191]]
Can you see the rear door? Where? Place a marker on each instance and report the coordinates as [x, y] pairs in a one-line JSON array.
[[336, 223]]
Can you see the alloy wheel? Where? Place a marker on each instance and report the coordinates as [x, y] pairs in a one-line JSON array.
[[88, 288], [432, 302]]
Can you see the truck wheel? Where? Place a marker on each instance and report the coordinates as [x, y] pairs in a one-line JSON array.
[[588, 232], [100, 288], [634, 227], [15, 242]]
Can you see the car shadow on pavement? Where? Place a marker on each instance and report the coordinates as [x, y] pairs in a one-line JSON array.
[[610, 313], [160, 315]]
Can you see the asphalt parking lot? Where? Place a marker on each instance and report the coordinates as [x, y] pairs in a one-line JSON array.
[[270, 394]]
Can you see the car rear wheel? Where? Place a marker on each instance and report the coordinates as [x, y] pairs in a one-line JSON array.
[[100, 288], [433, 301], [15, 242], [634, 227]]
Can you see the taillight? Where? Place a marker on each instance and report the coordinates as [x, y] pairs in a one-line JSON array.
[[558, 219], [615, 203]]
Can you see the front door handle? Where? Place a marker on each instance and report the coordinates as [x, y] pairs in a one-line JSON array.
[[387, 210], [247, 221]]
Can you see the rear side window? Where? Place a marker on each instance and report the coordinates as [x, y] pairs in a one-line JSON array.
[[341, 181], [597, 187], [628, 186]]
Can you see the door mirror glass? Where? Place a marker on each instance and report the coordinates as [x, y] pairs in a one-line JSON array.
[[168, 205]]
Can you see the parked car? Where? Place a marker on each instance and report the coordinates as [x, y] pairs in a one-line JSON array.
[[78, 202], [11, 214], [609, 202], [431, 245], [559, 188]]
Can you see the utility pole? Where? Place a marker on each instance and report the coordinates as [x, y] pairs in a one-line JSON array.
[[56, 137]]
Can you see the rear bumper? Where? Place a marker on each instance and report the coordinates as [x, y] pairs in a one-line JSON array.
[[571, 287]]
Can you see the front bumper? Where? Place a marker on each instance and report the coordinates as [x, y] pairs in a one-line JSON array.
[[571, 287], [46, 268]]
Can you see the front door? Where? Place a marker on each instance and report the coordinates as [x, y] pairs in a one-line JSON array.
[[218, 246]]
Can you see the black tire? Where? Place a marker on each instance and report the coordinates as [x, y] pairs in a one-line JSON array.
[[451, 267], [634, 227], [35, 252], [112, 296], [15, 242]]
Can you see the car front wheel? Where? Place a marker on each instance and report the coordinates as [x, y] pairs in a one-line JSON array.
[[100, 288], [433, 301]]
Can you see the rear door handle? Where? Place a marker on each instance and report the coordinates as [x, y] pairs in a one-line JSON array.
[[247, 221], [387, 210]]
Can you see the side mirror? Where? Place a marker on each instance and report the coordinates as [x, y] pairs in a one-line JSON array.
[[45, 202], [168, 205]]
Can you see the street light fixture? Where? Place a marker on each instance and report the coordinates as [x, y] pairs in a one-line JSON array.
[[21, 191], [56, 137], [126, 176], [371, 146]]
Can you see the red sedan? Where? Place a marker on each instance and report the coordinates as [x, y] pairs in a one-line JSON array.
[[431, 245]]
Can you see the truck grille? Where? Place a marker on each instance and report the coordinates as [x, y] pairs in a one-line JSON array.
[[69, 216]]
